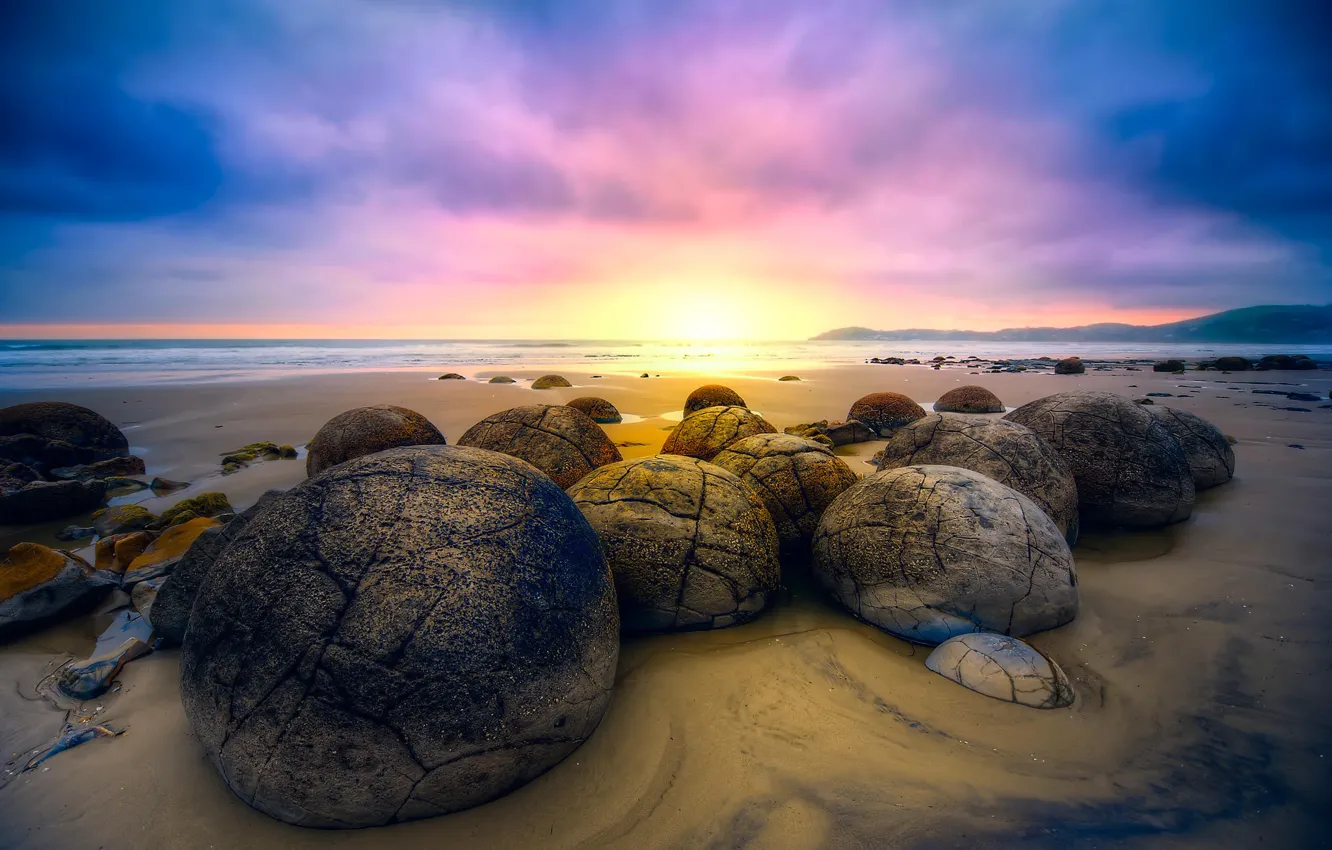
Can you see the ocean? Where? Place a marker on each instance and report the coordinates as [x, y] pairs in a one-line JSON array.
[[36, 364]]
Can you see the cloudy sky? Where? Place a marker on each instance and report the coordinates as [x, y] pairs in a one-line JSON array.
[[594, 168]]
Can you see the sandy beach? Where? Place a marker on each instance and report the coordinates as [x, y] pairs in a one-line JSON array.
[[1200, 658]]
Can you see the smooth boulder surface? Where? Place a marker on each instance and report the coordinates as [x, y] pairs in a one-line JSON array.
[[366, 430], [1010, 453], [690, 545], [38, 584], [707, 432], [1002, 667], [1211, 459], [57, 421], [796, 478], [546, 382], [562, 442], [599, 410], [885, 412], [711, 395], [408, 634], [929, 552], [1130, 470], [969, 399]]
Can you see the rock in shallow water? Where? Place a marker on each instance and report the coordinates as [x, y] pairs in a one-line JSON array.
[[1002, 667], [412, 633]]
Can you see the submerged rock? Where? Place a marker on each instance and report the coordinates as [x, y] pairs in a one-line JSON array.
[[38, 584], [711, 395], [561, 442], [705, 433], [366, 430], [166, 485], [546, 382], [969, 399], [1002, 667], [885, 412], [110, 468], [416, 631]]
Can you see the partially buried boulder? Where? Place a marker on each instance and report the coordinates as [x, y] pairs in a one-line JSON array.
[[546, 382], [711, 395], [56, 421], [601, 411], [796, 478], [690, 545], [885, 412], [505, 379], [969, 399], [1002, 667], [366, 430], [1130, 470], [1070, 366], [1010, 453], [38, 584], [1210, 458], [707, 432], [451, 376], [411, 633], [929, 552], [562, 442]]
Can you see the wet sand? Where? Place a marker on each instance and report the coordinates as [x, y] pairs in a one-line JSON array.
[[1201, 658]]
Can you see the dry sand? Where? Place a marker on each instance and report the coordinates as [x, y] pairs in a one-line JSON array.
[[1200, 657]]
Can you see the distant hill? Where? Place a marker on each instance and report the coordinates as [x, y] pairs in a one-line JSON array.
[[1272, 323]]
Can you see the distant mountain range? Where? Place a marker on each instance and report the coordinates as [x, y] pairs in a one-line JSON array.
[[1273, 323]]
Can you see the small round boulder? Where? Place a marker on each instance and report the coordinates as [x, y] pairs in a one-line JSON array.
[[707, 432], [796, 478], [546, 382], [1010, 453], [1070, 366], [366, 430], [1211, 460], [885, 412], [501, 379], [929, 552], [409, 634], [1130, 470], [711, 395], [560, 441], [690, 546], [969, 399], [1004, 668], [601, 411]]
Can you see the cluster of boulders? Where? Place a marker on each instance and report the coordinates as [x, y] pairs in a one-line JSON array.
[[1268, 363]]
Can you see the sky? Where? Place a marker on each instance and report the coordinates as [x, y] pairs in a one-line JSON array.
[[692, 169]]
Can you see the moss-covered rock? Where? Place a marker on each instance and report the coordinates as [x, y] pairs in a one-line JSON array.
[[203, 505], [546, 382], [711, 395], [969, 399], [366, 430], [705, 433], [38, 584], [885, 412], [162, 555], [122, 518]]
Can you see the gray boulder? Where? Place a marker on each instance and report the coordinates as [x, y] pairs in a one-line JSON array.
[[366, 430], [1002, 667], [1211, 459], [39, 584], [560, 441]]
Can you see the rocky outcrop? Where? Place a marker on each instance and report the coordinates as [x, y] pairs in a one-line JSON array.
[[366, 430], [1002, 667], [711, 395], [707, 432], [561, 442], [969, 399], [885, 412], [1168, 366]]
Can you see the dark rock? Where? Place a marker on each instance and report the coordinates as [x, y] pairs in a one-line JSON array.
[[712, 395], [39, 501], [166, 485], [1285, 362], [789, 378], [1211, 460], [1143, 401], [969, 399], [59, 422], [1232, 364], [109, 468], [1168, 366], [546, 382], [601, 411], [39, 584], [451, 376], [1070, 366], [1158, 395], [505, 379], [1002, 667], [1303, 397], [849, 432], [75, 532], [885, 412], [562, 442], [690, 546], [706, 432], [366, 430], [929, 552], [408, 634]]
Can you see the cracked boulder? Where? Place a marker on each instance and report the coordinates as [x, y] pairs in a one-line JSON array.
[[929, 552], [1002, 667], [366, 430], [796, 478], [712, 395], [1211, 460], [1010, 453], [689, 544], [885, 412], [601, 411], [409, 634], [1130, 470], [707, 432], [562, 442], [969, 399]]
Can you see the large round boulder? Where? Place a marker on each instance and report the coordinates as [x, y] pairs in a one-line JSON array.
[[601, 411], [1211, 459], [408, 634], [712, 395], [885, 412], [562, 442], [1010, 453], [796, 478], [969, 399], [929, 552], [66, 423], [707, 432], [1130, 470], [366, 430], [690, 546]]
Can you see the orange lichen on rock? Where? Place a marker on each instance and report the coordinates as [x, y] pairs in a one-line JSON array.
[[28, 565], [171, 544]]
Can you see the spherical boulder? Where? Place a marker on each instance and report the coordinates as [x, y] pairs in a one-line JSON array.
[[601, 411], [66, 423], [1070, 366], [1002, 667], [796, 478], [690, 546], [711, 395], [712, 429], [546, 382], [1210, 458], [411, 633], [969, 399], [1010, 453], [929, 552], [884, 412], [1130, 470], [366, 430], [562, 442]]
